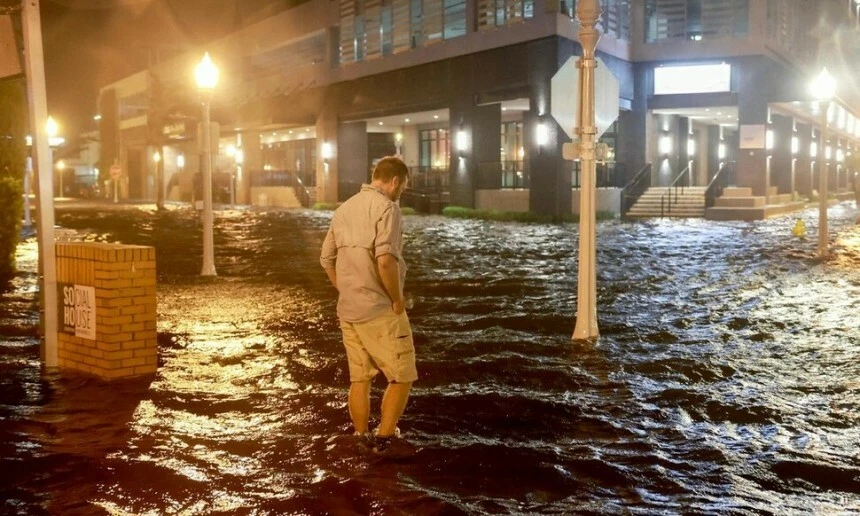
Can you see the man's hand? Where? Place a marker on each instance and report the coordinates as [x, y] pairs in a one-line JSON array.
[[389, 268]]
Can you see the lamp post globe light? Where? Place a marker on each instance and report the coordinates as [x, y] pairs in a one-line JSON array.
[[206, 75], [823, 89]]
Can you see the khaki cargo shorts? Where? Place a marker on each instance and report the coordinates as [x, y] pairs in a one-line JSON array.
[[382, 344]]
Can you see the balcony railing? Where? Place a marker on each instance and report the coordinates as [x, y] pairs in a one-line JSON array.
[[503, 175]]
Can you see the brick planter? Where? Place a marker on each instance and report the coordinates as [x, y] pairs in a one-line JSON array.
[[106, 304]]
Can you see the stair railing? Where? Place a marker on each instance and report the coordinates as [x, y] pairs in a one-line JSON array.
[[678, 183], [634, 189], [718, 183]]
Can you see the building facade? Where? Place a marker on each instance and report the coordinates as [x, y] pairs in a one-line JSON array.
[[461, 89]]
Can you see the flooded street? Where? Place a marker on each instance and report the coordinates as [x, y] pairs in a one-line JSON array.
[[726, 379]]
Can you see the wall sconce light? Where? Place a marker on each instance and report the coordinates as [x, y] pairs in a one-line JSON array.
[[665, 145], [828, 151], [156, 156], [541, 134], [813, 150], [398, 137], [795, 144], [180, 161], [721, 151], [691, 147], [231, 150], [840, 156], [240, 156], [327, 151], [768, 139], [462, 141]]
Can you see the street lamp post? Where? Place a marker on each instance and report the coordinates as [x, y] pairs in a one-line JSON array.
[[52, 129], [207, 78], [587, 11], [823, 89]]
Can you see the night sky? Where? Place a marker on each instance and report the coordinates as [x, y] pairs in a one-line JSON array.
[[90, 43]]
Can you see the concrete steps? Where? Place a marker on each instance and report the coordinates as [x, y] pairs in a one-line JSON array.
[[690, 203]]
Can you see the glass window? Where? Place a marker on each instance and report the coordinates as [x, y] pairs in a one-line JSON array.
[[386, 29], [455, 18], [415, 21], [434, 151], [359, 38]]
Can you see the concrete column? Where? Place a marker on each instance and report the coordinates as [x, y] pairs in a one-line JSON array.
[[550, 174], [682, 137], [665, 166], [713, 151], [802, 161], [781, 169], [252, 146], [632, 125], [753, 111], [481, 130], [352, 162], [327, 169]]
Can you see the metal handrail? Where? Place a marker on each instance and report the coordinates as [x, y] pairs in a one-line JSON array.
[[633, 190], [718, 183], [673, 185], [288, 178]]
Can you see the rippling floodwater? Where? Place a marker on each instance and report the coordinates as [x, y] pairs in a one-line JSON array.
[[726, 379]]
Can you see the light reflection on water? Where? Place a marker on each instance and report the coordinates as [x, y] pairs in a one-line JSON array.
[[726, 379]]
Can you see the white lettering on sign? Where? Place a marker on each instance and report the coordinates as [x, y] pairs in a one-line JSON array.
[[79, 310]]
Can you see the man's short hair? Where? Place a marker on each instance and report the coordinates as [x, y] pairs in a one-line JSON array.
[[389, 167]]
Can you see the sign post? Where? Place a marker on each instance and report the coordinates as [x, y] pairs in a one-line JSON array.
[[34, 64], [584, 118]]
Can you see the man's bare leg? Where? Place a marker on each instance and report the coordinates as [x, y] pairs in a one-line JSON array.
[[359, 405], [393, 403]]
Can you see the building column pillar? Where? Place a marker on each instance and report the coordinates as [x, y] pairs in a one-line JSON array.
[[752, 170], [713, 151], [252, 160], [802, 160], [353, 164], [327, 177], [781, 169], [477, 129]]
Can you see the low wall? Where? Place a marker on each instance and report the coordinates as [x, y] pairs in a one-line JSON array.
[[106, 309], [607, 199], [502, 200]]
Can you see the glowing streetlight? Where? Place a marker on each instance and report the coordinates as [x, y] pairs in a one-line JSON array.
[[206, 75], [823, 89]]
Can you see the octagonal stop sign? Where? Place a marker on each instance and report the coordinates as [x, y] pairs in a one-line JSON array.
[[564, 97]]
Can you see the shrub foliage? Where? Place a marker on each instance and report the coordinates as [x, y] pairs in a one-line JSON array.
[[13, 152]]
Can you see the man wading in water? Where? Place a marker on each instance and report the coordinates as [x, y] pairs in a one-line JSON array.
[[363, 257]]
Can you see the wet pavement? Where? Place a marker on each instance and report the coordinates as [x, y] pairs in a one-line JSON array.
[[726, 379]]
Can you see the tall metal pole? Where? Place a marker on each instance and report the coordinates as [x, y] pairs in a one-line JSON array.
[[208, 244], [823, 170], [37, 96], [587, 11]]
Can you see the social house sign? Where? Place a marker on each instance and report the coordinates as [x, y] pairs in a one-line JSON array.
[[77, 310]]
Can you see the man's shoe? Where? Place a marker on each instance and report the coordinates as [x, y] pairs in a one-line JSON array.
[[393, 447], [365, 440]]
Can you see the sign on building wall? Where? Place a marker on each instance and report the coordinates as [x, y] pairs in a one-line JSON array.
[[77, 310], [679, 80]]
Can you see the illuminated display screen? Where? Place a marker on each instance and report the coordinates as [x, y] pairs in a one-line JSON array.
[[675, 80]]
